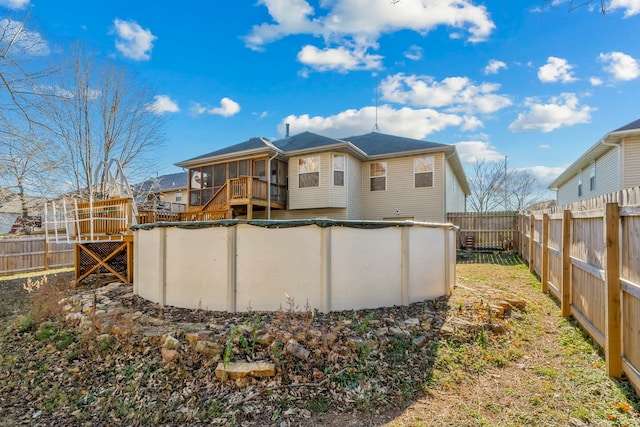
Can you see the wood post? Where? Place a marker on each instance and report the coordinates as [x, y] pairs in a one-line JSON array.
[[532, 227], [46, 255], [565, 301], [613, 332], [544, 273]]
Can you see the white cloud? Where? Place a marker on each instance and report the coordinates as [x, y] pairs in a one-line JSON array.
[[350, 28], [414, 53], [560, 111], [494, 66], [472, 151], [631, 7], [545, 174], [556, 69], [14, 4], [456, 94], [228, 107], [133, 41], [363, 21], [620, 65], [595, 81], [163, 104], [340, 59], [261, 115], [412, 123], [545, 146], [26, 42]]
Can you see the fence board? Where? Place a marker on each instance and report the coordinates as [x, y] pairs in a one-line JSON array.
[[490, 230], [31, 254]]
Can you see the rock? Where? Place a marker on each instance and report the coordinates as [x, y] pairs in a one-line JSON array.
[[419, 341], [517, 303], [382, 331], [412, 323], [446, 330], [170, 343], [426, 325], [264, 339], [208, 348], [295, 349], [169, 355], [235, 370], [193, 337], [354, 343], [397, 332]]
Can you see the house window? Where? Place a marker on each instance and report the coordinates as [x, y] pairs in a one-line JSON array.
[[378, 176], [179, 196], [423, 172], [580, 184], [592, 177], [338, 170], [309, 172]]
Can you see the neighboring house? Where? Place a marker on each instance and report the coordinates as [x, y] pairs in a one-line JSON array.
[[612, 164], [11, 215], [365, 177], [166, 192]]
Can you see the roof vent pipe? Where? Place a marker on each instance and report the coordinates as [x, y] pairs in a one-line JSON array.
[[286, 125]]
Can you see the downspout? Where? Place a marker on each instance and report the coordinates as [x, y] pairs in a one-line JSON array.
[[444, 187], [269, 185]]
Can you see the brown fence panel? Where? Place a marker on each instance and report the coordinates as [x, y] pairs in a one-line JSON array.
[[489, 230], [630, 278], [18, 255]]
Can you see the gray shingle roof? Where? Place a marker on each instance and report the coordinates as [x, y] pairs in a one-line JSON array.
[[305, 140], [163, 183], [250, 144], [629, 126], [375, 143]]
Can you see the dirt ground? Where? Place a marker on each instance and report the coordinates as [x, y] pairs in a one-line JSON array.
[[456, 361]]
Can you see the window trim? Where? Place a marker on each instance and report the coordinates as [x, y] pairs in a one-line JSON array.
[[592, 177], [318, 163], [432, 172], [334, 170], [371, 177], [580, 184]]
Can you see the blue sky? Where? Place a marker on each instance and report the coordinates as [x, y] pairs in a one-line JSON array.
[[532, 80]]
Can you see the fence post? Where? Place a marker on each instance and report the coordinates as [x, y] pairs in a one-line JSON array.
[[532, 227], [544, 273], [46, 255], [565, 301], [613, 334]]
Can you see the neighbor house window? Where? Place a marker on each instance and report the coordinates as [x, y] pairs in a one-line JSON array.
[[378, 176], [338, 170], [592, 177], [309, 172], [423, 172], [179, 196], [580, 184]]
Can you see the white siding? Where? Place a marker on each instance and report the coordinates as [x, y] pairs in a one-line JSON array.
[[455, 197], [333, 213], [568, 192], [354, 188], [607, 172], [631, 162], [323, 196], [401, 199]]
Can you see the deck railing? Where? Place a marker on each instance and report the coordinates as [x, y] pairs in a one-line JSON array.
[[112, 216]]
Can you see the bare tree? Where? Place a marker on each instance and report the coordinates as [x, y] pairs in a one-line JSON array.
[[19, 78], [524, 189], [486, 181], [101, 112]]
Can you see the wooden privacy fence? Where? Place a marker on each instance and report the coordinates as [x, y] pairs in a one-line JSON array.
[[33, 253], [487, 230], [590, 261]]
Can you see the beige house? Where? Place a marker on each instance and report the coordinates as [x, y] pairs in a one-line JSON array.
[[612, 164], [364, 177], [164, 193]]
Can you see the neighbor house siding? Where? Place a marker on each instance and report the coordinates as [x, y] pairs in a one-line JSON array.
[[568, 192], [455, 197], [354, 188], [631, 162], [401, 199], [338, 194], [607, 172]]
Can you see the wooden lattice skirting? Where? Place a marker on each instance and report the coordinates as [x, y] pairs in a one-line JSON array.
[[115, 257]]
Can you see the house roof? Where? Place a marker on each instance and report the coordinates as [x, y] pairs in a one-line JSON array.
[[596, 151], [253, 145], [174, 181], [375, 144]]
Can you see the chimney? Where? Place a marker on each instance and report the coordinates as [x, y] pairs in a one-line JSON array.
[[287, 130]]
